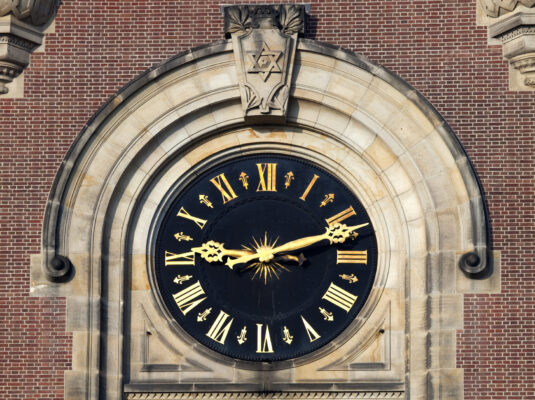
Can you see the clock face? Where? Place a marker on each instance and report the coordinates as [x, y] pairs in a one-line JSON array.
[[265, 258]]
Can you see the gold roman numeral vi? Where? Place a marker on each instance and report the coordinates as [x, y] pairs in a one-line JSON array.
[[190, 297], [263, 340], [268, 177], [226, 192], [351, 256], [219, 331], [184, 214], [340, 297], [179, 259], [341, 216]]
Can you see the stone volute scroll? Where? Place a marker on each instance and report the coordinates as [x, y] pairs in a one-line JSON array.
[[264, 39], [22, 25]]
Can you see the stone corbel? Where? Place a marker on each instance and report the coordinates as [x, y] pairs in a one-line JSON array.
[[22, 25], [513, 23]]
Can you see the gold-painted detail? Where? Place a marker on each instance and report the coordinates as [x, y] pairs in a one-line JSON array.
[[287, 337], [227, 193], [189, 298], [340, 297], [267, 173], [265, 269], [201, 317], [351, 256], [180, 237], [329, 198], [179, 259], [265, 253], [184, 214], [309, 187], [341, 216], [311, 332], [288, 178], [212, 251], [244, 180], [219, 331], [179, 280], [350, 278], [243, 336], [327, 316], [203, 199], [263, 340]]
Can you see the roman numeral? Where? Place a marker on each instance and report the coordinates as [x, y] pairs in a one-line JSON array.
[[341, 216], [311, 332], [179, 259], [268, 177], [217, 331], [309, 187], [340, 297], [184, 214], [351, 256], [226, 192], [263, 341], [189, 298]]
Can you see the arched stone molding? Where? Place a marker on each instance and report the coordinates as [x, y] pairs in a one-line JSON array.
[[386, 140], [22, 27]]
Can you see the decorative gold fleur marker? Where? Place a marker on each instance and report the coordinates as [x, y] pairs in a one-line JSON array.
[[179, 280], [287, 337], [350, 278], [180, 237], [289, 177], [201, 317], [244, 180], [327, 316], [242, 338], [204, 200], [329, 198]]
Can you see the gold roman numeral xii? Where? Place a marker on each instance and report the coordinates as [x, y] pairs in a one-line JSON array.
[[267, 173]]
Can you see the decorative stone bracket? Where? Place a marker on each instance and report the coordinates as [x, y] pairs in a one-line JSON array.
[[513, 23], [22, 23]]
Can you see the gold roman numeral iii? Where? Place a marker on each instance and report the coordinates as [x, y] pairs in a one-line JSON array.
[[341, 216], [219, 331], [351, 256], [189, 298], [179, 259], [311, 332], [263, 340], [340, 297], [268, 177], [184, 214], [309, 187], [226, 192]]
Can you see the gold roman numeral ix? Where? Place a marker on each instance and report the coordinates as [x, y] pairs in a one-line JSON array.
[[184, 214], [309, 187], [219, 331], [311, 332], [268, 177], [189, 298], [340, 297], [341, 216], [226, 192], [351, 256], [179, 259], [263, 341]]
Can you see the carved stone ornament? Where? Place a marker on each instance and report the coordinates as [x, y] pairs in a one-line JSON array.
[[22, 23], [264, 39], [517, 33], [497, 8]]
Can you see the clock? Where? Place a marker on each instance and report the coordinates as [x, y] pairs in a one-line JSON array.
[[264, 257]]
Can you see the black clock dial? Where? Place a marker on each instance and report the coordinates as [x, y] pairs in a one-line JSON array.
[[265, 258]]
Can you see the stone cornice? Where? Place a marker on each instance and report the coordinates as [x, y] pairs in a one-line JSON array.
[[22, 23]]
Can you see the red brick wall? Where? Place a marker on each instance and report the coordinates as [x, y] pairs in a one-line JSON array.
[[98, 46]]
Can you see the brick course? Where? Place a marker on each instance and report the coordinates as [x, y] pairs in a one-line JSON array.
[[98, 46]]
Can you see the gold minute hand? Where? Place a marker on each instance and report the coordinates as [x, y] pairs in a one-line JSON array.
[[336, 233], [213, 251]]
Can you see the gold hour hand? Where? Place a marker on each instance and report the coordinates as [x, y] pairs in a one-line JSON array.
[[212, 251]]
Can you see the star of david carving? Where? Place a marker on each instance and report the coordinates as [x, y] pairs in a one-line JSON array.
[[265, 61]]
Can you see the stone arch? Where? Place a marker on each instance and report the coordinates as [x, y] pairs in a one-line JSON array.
[[405, 162]]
